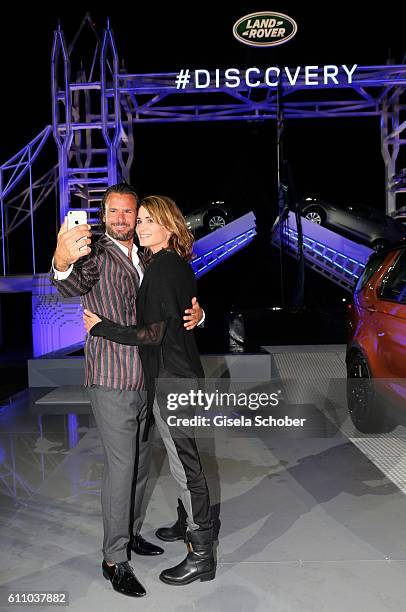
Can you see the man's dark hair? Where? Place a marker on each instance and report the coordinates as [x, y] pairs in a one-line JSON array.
[[122, 187]]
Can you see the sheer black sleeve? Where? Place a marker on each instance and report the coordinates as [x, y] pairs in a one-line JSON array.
[[151, 334]]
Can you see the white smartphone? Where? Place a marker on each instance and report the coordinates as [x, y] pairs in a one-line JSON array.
[[76, 217]]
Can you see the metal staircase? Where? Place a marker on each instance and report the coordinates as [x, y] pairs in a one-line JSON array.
[[96, 103], [337, 258], [94, 144], [213, 249]]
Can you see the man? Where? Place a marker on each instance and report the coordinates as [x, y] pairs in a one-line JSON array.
[[107, 276]]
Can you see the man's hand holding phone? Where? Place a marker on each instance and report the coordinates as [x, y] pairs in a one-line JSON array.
[[72, 245]]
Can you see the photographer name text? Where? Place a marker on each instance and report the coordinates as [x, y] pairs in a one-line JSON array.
[[240, 421]]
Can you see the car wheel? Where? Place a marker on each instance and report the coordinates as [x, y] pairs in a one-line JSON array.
[[361, 396], [379, 244], [315, 214], [214, 221]]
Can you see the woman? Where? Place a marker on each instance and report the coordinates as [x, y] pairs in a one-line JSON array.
[[168, 351]]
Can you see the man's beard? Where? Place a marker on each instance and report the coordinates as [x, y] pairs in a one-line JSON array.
[[122, 235]]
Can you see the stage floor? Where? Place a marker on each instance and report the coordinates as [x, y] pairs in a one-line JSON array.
[[311, 524]]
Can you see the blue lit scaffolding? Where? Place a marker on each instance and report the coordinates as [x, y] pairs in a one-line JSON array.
[[333, 256], [94, 113]]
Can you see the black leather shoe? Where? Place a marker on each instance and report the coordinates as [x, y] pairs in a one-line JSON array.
[[142, 547], [178, 530], [123, 579], [199, 563]]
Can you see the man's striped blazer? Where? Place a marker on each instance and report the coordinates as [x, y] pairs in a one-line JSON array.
[[107, 282]]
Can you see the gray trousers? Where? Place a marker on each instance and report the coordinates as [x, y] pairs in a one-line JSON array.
[[120, 418], [183, 454]]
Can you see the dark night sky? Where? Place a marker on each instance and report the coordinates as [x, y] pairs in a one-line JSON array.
[[164, 39], [325, 155], [337, 159]]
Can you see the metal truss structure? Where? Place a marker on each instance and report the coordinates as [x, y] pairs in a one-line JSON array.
[[95, 111], [18, 202], [213, 249], [337, 258]]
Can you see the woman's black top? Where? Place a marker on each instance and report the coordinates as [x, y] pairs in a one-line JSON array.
[[166, 291]]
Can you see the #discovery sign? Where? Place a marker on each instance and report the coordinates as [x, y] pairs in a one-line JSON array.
[[272, 76], [265, 29]]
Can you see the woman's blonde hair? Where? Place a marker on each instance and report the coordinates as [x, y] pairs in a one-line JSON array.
[[164, 211]]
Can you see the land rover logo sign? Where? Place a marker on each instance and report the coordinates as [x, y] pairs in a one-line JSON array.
[[265, 29]]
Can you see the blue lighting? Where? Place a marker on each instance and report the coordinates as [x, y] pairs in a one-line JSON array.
[[213, 248], [73, 430], [310, 244]]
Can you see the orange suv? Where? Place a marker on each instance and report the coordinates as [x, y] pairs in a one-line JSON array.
[[376, 352]]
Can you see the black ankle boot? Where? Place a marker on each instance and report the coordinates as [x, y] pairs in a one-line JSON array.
[[199, 562], [178, 530]]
